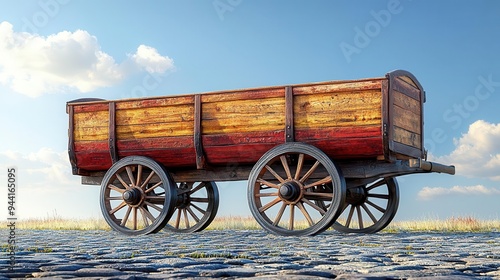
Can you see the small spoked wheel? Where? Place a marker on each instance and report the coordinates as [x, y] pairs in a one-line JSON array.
[[369, 208], [285, 184], [196, 207], [137, 196]]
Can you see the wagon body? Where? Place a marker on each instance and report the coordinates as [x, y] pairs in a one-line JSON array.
[[378, 118]]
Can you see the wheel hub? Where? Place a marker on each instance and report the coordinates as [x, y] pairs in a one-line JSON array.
[[290, 191], [356, 196], [132, 196]]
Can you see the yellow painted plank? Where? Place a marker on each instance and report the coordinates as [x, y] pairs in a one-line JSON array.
[[91, 119], [151, 115], [338, 109], [124, 132], [366, 85], [96, 133]]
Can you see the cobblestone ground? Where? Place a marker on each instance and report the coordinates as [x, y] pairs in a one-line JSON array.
[[253, 254]]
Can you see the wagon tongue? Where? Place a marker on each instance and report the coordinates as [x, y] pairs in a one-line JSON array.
[[432, 166]]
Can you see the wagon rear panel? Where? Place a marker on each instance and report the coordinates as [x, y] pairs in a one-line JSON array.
[[379, 118]]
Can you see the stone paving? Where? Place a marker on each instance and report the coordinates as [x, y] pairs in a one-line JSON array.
[[253, 254]]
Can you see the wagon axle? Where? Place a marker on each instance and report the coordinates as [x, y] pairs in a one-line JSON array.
[[290, 191]]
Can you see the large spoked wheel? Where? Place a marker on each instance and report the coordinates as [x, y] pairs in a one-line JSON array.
[[196, 207], [284, 185], [137, 196], [369, 208]]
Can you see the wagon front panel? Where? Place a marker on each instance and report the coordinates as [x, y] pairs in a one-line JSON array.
[[405, 116]]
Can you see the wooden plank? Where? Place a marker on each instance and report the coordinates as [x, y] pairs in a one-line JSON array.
[[406, 89], [407, 103], [154, 115], [408, 81], [91, 133], [113, 152], [407, 137], [339, 86], [92, 119], [154, 130], [155, 102], [93, 107], [245, 95], [225, 139], [407, 120]]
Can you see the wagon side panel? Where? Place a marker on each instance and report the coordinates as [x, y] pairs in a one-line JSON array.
[[158, 128], [342, 119], [239, 127]]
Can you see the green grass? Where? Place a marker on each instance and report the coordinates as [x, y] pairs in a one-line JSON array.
[[453, 224]]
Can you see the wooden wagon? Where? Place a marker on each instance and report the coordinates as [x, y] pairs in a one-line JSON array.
[[315, 155]]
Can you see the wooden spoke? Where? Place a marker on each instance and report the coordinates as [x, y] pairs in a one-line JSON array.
[[374, 220], [349, 218], [266, 183], [178, 219], [203, 212], [200, 199], [375, 206], [280, 214], [154, 187], [186, 218], [276, 175], [300, 163], [153, 206], [147, 213], [122, 181], [310, 172], [325, 180], [306, 214], [115, 188], [316, 207], [269, 205], [139, 175], [284, 162], [292, 217], [383, 196], [190, 211], [199, 187], [376, 185], [130, 175], [266, 194], [134, 218], [144, 218], [114, 198], [125, 218], [146, 182], [360, 217], [114, 210]]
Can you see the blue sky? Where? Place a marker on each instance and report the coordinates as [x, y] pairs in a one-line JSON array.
[[53, 51]]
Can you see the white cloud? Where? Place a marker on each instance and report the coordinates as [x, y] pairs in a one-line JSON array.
[[34, 65], [477, 152], [428, 193]]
